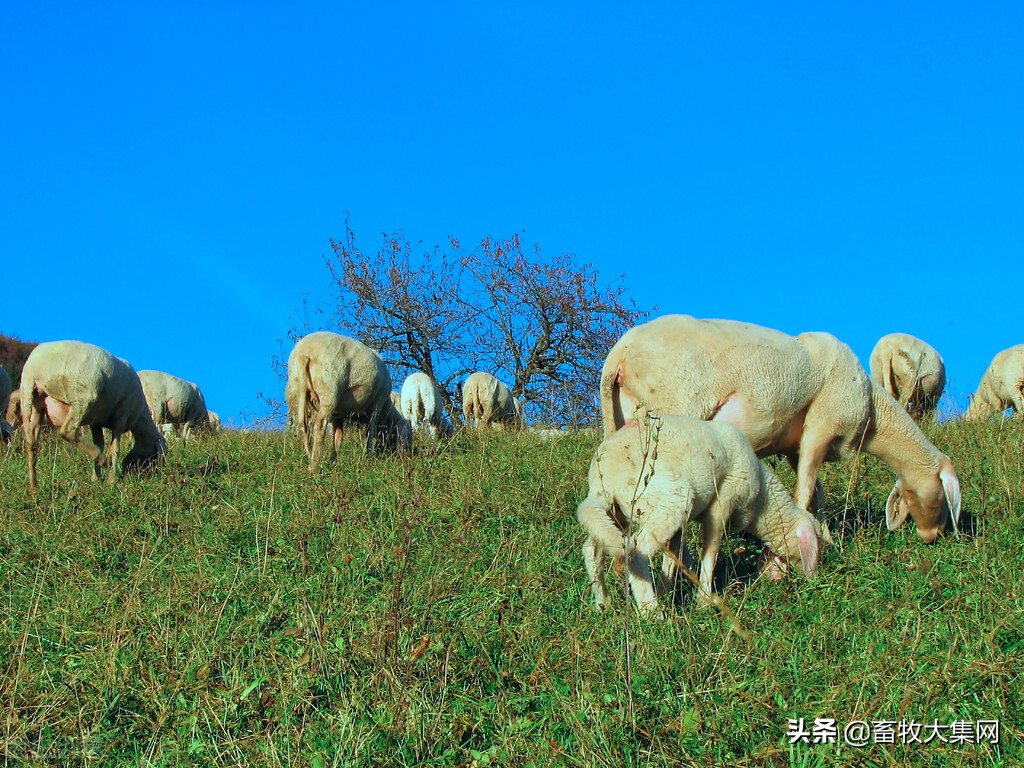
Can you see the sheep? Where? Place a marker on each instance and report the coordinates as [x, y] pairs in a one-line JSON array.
[[1001, 387], [333, 377], [647, 481], [487, 401], [77, 384], [910, 370], [214, 421], [176, 402], [807, 398], [422, 405], [5, 400]]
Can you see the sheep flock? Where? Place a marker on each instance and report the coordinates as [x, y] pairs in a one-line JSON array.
[[689, 408]]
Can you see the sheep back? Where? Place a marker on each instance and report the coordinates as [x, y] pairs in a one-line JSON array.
[[756, 378]]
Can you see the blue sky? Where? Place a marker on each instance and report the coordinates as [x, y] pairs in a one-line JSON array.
[[172, 174]]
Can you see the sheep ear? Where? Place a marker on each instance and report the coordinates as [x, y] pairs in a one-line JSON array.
[[951, 487], [807, 541], [895, 509]]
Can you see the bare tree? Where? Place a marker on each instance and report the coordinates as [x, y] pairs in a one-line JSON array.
[[545, 325], [409, 309]]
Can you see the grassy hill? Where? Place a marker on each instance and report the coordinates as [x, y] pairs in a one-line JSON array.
[[231, 609]]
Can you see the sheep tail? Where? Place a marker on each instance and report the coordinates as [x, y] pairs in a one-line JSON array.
[[614, 396], [305, 393]]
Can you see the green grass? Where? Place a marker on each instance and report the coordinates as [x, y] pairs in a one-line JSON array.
[[231, 609]]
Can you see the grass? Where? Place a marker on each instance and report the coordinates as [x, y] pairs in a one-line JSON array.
[[231, 609]]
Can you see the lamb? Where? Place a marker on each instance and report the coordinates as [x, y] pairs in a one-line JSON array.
[[487, 401], [333, 377], [422, 405], [214, 421], [647, 481], [1001, 387], [910, 370], [176, 402], [807, 398], [5, 401], [81, 385]]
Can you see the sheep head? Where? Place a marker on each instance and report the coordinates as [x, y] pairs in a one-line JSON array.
[[795, 539], [394, 433], [144, 455], [931, 502]]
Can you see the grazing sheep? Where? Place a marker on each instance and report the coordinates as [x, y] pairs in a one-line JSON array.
[[331, 378], [422, 405], [1001, 387], [396, 400], [910, 370], [807, 398], [80, 385], [647, 481], [176, 402], [214, 421], [487, 401], [5, 401]]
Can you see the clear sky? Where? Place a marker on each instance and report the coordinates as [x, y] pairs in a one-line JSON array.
[[172, 173]]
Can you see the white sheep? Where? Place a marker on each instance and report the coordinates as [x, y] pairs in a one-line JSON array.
[[75, 385], [214, 421], [807, 398], [647, 481], [910, 370], [5, 401], [422, 405], [176, 402], [1001, 387], [332, 378], [487, 401]]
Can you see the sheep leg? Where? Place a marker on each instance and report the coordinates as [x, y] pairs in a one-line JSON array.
[[319, 427], [674, 583], [97, 440], [339, 435], [31, 422], [70, 430], [712, 531], [1017, 399], [594, 561], [810, 493], [371, 434], [112, 468]]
